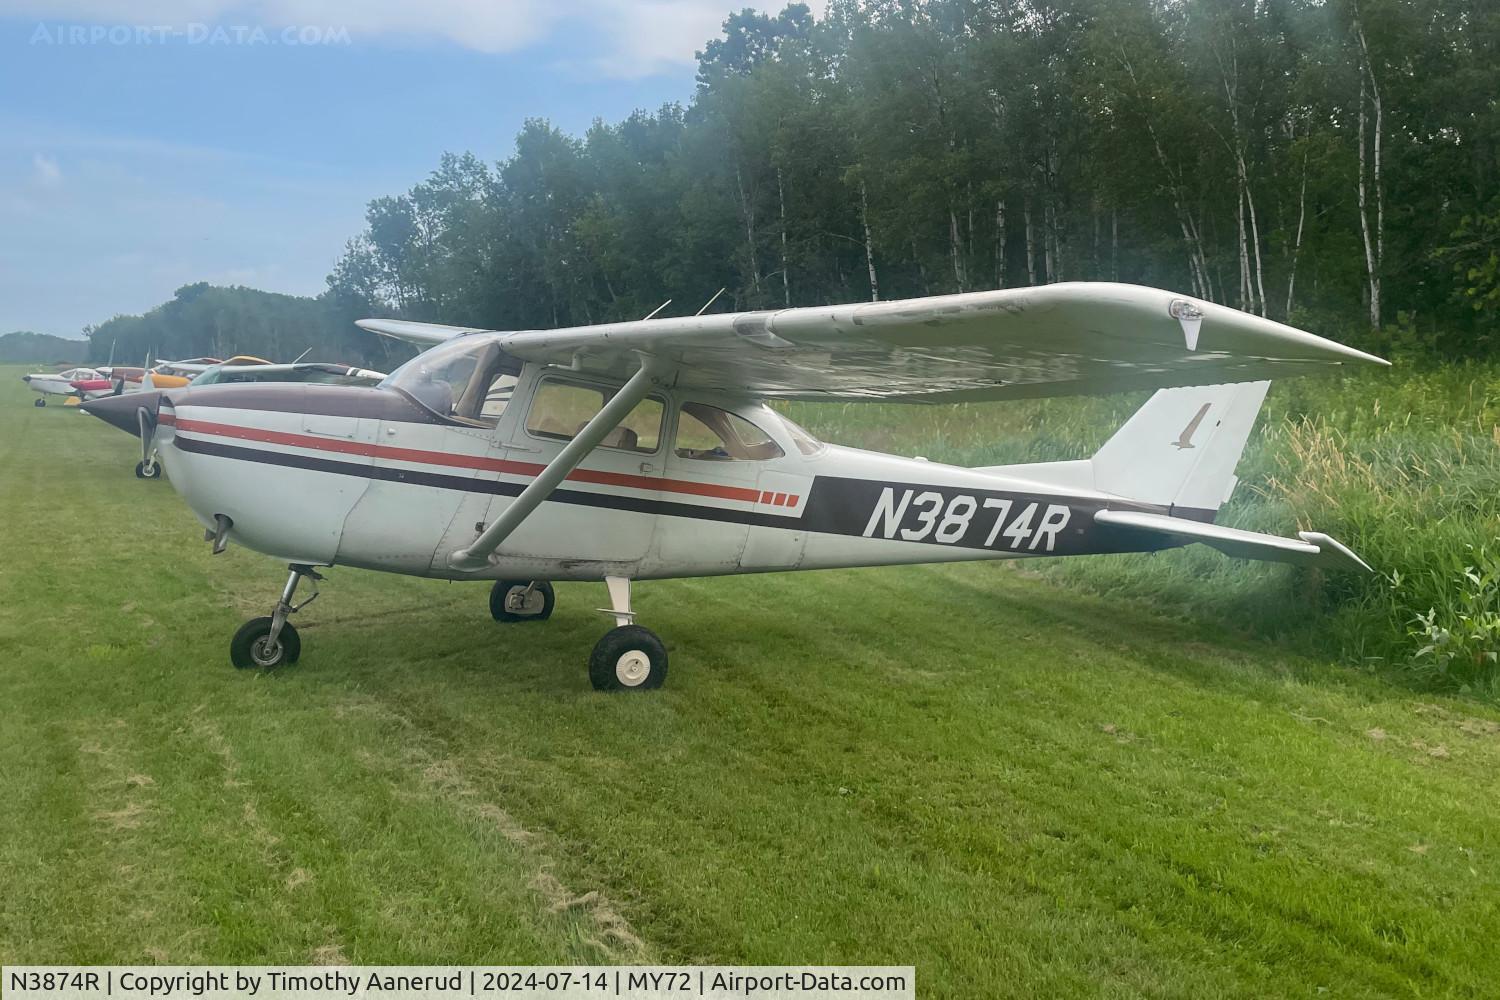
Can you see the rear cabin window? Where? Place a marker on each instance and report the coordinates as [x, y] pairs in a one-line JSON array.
[[707, 433], [561, 409], [805, 442]]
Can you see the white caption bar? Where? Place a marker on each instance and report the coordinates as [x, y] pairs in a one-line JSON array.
[[451, 982]]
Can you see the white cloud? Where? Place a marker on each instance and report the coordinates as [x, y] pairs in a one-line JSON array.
[[629, 38], [45, 171], [650, 36]]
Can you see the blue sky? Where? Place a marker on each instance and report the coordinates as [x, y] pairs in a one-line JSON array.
[[147, 145]]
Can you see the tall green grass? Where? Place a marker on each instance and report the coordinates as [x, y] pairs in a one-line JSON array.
[[1403, 466]]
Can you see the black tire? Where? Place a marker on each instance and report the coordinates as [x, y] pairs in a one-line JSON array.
[[142, 473], [645, 668], [247, 649], [40, 401], [539, 604]]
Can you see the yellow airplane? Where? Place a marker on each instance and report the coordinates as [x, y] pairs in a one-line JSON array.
[[177, 374]]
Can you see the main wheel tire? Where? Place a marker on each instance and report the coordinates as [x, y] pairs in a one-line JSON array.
[[628, 658], [141, 472], [249, 650], [39, 402], [534, 607]]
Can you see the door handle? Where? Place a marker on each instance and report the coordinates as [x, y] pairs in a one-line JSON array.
[[647, 467]]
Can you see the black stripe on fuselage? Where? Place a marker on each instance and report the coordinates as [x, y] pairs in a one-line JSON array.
[[835, 505]]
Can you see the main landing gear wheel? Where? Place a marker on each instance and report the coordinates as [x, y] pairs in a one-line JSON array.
[[39, 402], [253, 647], [521, 600], [144, 471], [628, 658], [267, 643]]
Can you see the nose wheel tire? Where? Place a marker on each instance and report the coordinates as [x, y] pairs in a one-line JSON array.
[[40, 402], [252, 648], [521, 600], [142, 471], [628, 658]]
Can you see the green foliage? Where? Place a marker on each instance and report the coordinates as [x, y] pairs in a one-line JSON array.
[[25, 347], [204, 320], [929, 146], [1402, 466], [1461, 644]]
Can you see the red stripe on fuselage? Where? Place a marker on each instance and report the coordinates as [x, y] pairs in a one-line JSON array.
[[391, 452]]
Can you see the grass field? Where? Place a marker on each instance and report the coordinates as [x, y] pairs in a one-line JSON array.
[[1023, 788]]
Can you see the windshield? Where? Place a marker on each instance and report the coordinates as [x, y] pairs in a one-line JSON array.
[[468, 379]]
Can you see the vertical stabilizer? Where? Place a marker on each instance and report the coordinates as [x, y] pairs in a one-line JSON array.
[[1180, 449]]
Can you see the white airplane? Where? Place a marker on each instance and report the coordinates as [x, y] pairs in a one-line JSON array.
[[296, 371], [645, 450], [58, 383]]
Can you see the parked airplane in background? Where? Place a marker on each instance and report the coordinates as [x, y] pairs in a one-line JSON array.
[[300, 371], [645, 450], [57, 383], [177, 374]]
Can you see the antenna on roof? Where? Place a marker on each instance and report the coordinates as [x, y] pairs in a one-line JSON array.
[[658, 309], [710, 302], [302, 355]]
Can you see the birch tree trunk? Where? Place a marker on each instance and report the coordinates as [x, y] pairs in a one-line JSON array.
[[1291, 281], [1247, 297], [1197, 263], [1114, 244], [1030, 242], [864, 220], [1000, 235], [1369, 93], [955, 248], [1049, 242], [747, 210], [786, 281]]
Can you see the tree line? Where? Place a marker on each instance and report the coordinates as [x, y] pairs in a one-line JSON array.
[[203, 320], [1331, 163]]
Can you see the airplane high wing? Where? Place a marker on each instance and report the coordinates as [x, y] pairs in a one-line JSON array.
[[421, 334], [1050, 340]]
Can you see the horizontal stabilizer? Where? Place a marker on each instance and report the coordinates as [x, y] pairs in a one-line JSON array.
[[1310, 548]]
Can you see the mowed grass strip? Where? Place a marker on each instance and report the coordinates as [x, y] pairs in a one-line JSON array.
[[1020, 789]]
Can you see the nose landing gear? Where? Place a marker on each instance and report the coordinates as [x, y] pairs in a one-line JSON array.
[[521, 600], [268, 642]]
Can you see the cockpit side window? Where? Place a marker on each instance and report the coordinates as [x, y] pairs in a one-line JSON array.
[[709, 434], [559, 411]]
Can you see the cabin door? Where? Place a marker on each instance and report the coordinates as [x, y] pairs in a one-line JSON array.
[[605, 511]]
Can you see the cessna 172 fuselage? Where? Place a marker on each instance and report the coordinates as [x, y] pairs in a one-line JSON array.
[[644, 451]]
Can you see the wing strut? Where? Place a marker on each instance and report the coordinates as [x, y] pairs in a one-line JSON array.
[[476, 555]]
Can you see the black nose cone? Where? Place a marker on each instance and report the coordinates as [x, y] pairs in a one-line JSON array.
[[121, 411]]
